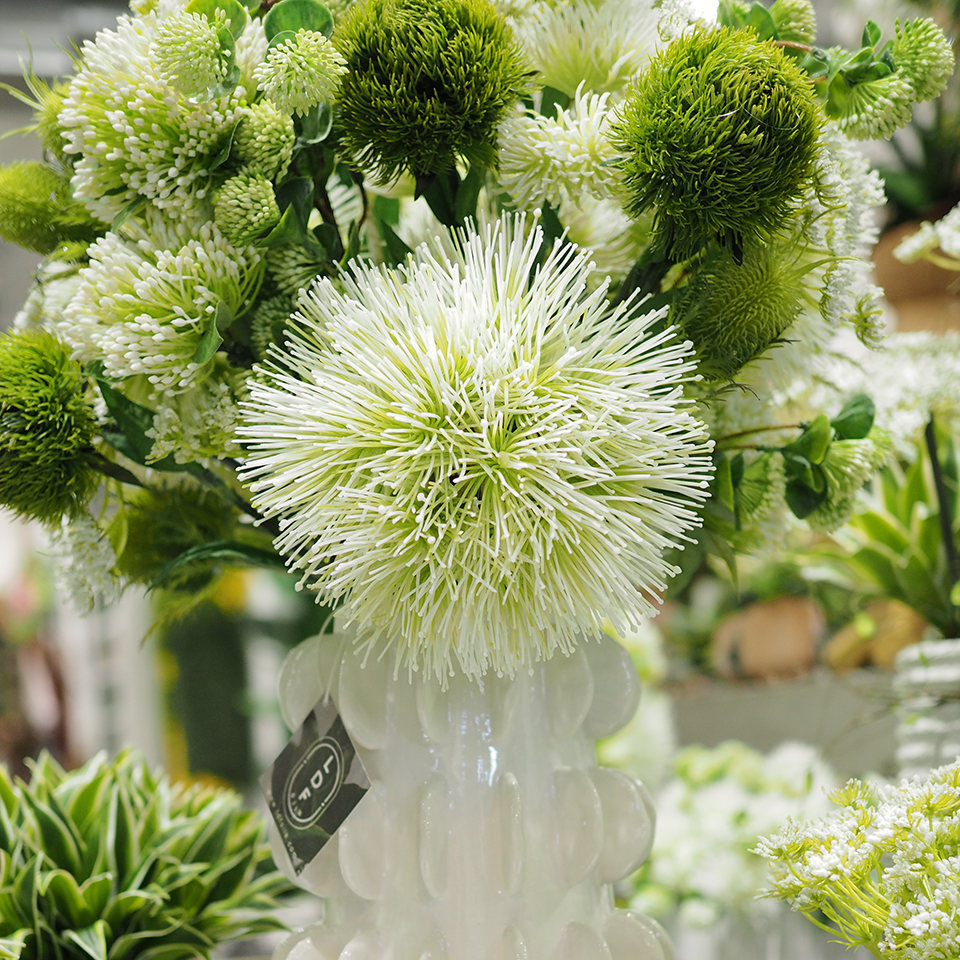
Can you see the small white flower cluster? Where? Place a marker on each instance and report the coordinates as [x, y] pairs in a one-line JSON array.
[[884, 868], [301, 72], [708, 819], [943, 235], [83, 563], [188, 52], [548, 160], [142, 308]]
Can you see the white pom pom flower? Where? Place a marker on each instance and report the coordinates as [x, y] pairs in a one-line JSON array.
[[481, 459]]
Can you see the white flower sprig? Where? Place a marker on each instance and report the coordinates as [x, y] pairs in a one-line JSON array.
[[884, 868], [479, 457]]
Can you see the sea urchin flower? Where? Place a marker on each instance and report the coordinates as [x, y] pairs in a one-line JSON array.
[[481, 459]]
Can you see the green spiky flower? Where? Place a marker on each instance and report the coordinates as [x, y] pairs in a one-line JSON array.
[[264, 141], [47, 429], [428, 81], [189, 53], [734, 311], [245, 208], [37, 211], [796, 20], [119, 862], [301, 72], [46, 103], [267, 323], [720, 137], [924, 55]]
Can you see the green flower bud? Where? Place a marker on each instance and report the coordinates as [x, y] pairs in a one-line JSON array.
[[190, 54], [37, 211], [720, 135], [734, 311], [427, 81], [267, 323], [300, 73], [291, 268], [246, 207], [796, 20], [924, 55], [264, 141], [47, 429]]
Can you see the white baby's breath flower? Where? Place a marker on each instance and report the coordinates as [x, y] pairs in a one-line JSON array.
[[601, 45], [84, 562], [142, 308], [301, 72], [548, 159], [479, 458]]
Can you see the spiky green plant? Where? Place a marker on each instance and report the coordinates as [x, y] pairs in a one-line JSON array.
[[48, 465], [427, 82], [111, 862], [36, 209], [720, 137]]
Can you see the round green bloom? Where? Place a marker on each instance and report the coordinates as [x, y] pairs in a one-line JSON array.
[[37, 211], [427, 81], [189, 53], [268, 322], [734, 311], [924, 54], [300, 73], [720, 136], [47, 429], [264, 141], [796, 20], [245, 208], [292, 268]]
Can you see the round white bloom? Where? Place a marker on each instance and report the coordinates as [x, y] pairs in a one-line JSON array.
[[300, 73], [481, 459]]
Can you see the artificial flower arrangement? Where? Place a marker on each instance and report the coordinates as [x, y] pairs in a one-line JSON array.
[[881, 869]]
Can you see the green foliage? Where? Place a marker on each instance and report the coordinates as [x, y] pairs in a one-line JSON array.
[[428, 81], [47, 428], [720, 138], [36, 209], [111, 862]]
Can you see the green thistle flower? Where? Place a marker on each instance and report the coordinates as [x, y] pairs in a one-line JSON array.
[[47, 429], [734, 311], [428, 81], [720, 135], [796, 20], [301, 72], [37, 211], [264, 141], [245, 208], [924, 55]]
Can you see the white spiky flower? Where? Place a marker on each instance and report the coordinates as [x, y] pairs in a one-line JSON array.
[[602, 45], [481, 459], [133, 133], [548, 159], [189, 54], [301, 72], [142, 307]]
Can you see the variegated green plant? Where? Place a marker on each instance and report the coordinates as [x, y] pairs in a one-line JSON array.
[[112, 862]]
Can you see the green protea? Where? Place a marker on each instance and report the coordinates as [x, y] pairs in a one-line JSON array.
[[48, 466], [427, 82], [720, 138], [112, 860], [37, 211]]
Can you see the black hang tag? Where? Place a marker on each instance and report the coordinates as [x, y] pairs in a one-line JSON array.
[[315, 783]]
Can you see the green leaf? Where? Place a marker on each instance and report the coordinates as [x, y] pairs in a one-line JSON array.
[[92, 940], [294, 15], [282, 37], [219, 321], [871, 36], [855, 420], [723, 481], [955, 594], [289, 229], [61, 892], [879, 569], [227, 85], [465, 205], [879, 529], [759, 18], [12, 947], [315, 126], [134, 207], [551, 99], [812, 444], [913, 491], [133, 419], [126, 905], [96, 893], [233, 551], [396, 250], [801, 499], [224, 153], [56, 838], [917, 584], [233, 10]]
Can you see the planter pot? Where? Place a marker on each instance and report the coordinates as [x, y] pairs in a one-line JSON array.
[[926, 684], [489, 832]]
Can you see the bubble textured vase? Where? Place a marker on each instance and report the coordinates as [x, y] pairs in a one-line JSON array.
[[489, 831]]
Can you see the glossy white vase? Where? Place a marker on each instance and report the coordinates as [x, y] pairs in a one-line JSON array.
[[926, 683], [489, 832]]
